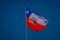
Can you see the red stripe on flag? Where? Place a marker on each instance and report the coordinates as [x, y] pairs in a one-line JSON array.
[[34, 26]]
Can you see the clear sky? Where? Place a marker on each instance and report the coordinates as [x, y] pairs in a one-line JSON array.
[[12, 19]]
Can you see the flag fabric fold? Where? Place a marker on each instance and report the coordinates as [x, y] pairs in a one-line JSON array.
[[35, 22]]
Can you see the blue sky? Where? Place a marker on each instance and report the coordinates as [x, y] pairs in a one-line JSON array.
[[13, 25]]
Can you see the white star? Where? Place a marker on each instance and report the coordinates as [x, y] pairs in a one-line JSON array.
[[27, 12]]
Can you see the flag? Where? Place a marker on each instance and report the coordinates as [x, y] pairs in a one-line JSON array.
[[35, 22]]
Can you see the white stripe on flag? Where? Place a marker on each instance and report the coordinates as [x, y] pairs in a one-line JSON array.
[[37, 19]]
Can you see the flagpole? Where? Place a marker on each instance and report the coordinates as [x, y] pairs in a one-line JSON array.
[[26, 26]]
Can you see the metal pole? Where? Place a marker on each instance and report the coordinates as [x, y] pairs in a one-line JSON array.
[[26, 26]]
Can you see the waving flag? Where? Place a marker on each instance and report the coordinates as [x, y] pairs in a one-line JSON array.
[[35, 22]]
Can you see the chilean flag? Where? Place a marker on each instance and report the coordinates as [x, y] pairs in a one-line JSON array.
[[35, 22]]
